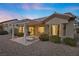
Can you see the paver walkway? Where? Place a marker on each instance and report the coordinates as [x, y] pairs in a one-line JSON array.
[[11, 48]]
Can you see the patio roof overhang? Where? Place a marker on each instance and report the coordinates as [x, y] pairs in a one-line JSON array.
[[33, 22]]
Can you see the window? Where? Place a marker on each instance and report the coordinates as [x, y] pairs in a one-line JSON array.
[[21, 29], [6, 25], [9, 24], [41, 29], [77, 30], [55, 29], [17, 25]]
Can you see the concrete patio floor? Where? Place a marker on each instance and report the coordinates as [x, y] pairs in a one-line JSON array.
[[23, 41]]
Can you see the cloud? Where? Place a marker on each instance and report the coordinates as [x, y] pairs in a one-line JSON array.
[[26, 6], [6, 15], [32, 16], [73, 8], [36, 6]]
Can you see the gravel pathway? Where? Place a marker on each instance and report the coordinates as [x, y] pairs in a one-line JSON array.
[[10, 48]]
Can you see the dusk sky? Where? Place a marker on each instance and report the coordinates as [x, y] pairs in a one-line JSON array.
[[34, 10]]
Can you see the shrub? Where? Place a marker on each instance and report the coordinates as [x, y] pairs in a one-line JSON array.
[[44, 37], [19, 34], [16, 31], [3, 32], [55, 39], [70, 41]]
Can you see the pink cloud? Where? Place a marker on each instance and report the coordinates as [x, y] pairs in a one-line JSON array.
[[40, 7], [36, 6], [6, 15], [26, 6]]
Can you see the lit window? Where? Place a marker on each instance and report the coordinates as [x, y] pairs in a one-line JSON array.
[[55, 29], [21, 29], [41, 29]]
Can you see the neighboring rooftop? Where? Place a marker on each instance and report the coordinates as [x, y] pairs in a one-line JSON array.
[[16, 21], [23, 20], [69, 14], [9, 21]]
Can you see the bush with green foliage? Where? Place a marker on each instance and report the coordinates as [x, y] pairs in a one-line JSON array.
[[44, 37], [70, 41], [55, 39], [19, 34], [3, 32]]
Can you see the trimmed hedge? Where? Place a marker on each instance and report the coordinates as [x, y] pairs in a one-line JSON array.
[[44, 37], [3, 32], [70, 41], [55, 39]]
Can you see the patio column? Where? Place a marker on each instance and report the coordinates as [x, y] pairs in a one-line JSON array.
[[50, 29], [36, 30], [12, 31], [47, 29], [25, 31], [61, 30]]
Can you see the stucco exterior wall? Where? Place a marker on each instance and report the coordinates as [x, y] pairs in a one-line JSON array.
[[70, 29], [47, 29], [57, 21], [7, 26], [69, 26]]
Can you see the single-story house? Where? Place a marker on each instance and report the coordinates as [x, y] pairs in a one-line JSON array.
[[6, 25], [55, 24]]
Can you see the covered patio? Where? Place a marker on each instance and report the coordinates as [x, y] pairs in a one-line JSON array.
[[26, 39]]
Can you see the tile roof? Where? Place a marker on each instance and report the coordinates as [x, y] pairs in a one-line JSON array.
[[23, 20], [62, 16], [67, 16], [40, 19]]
